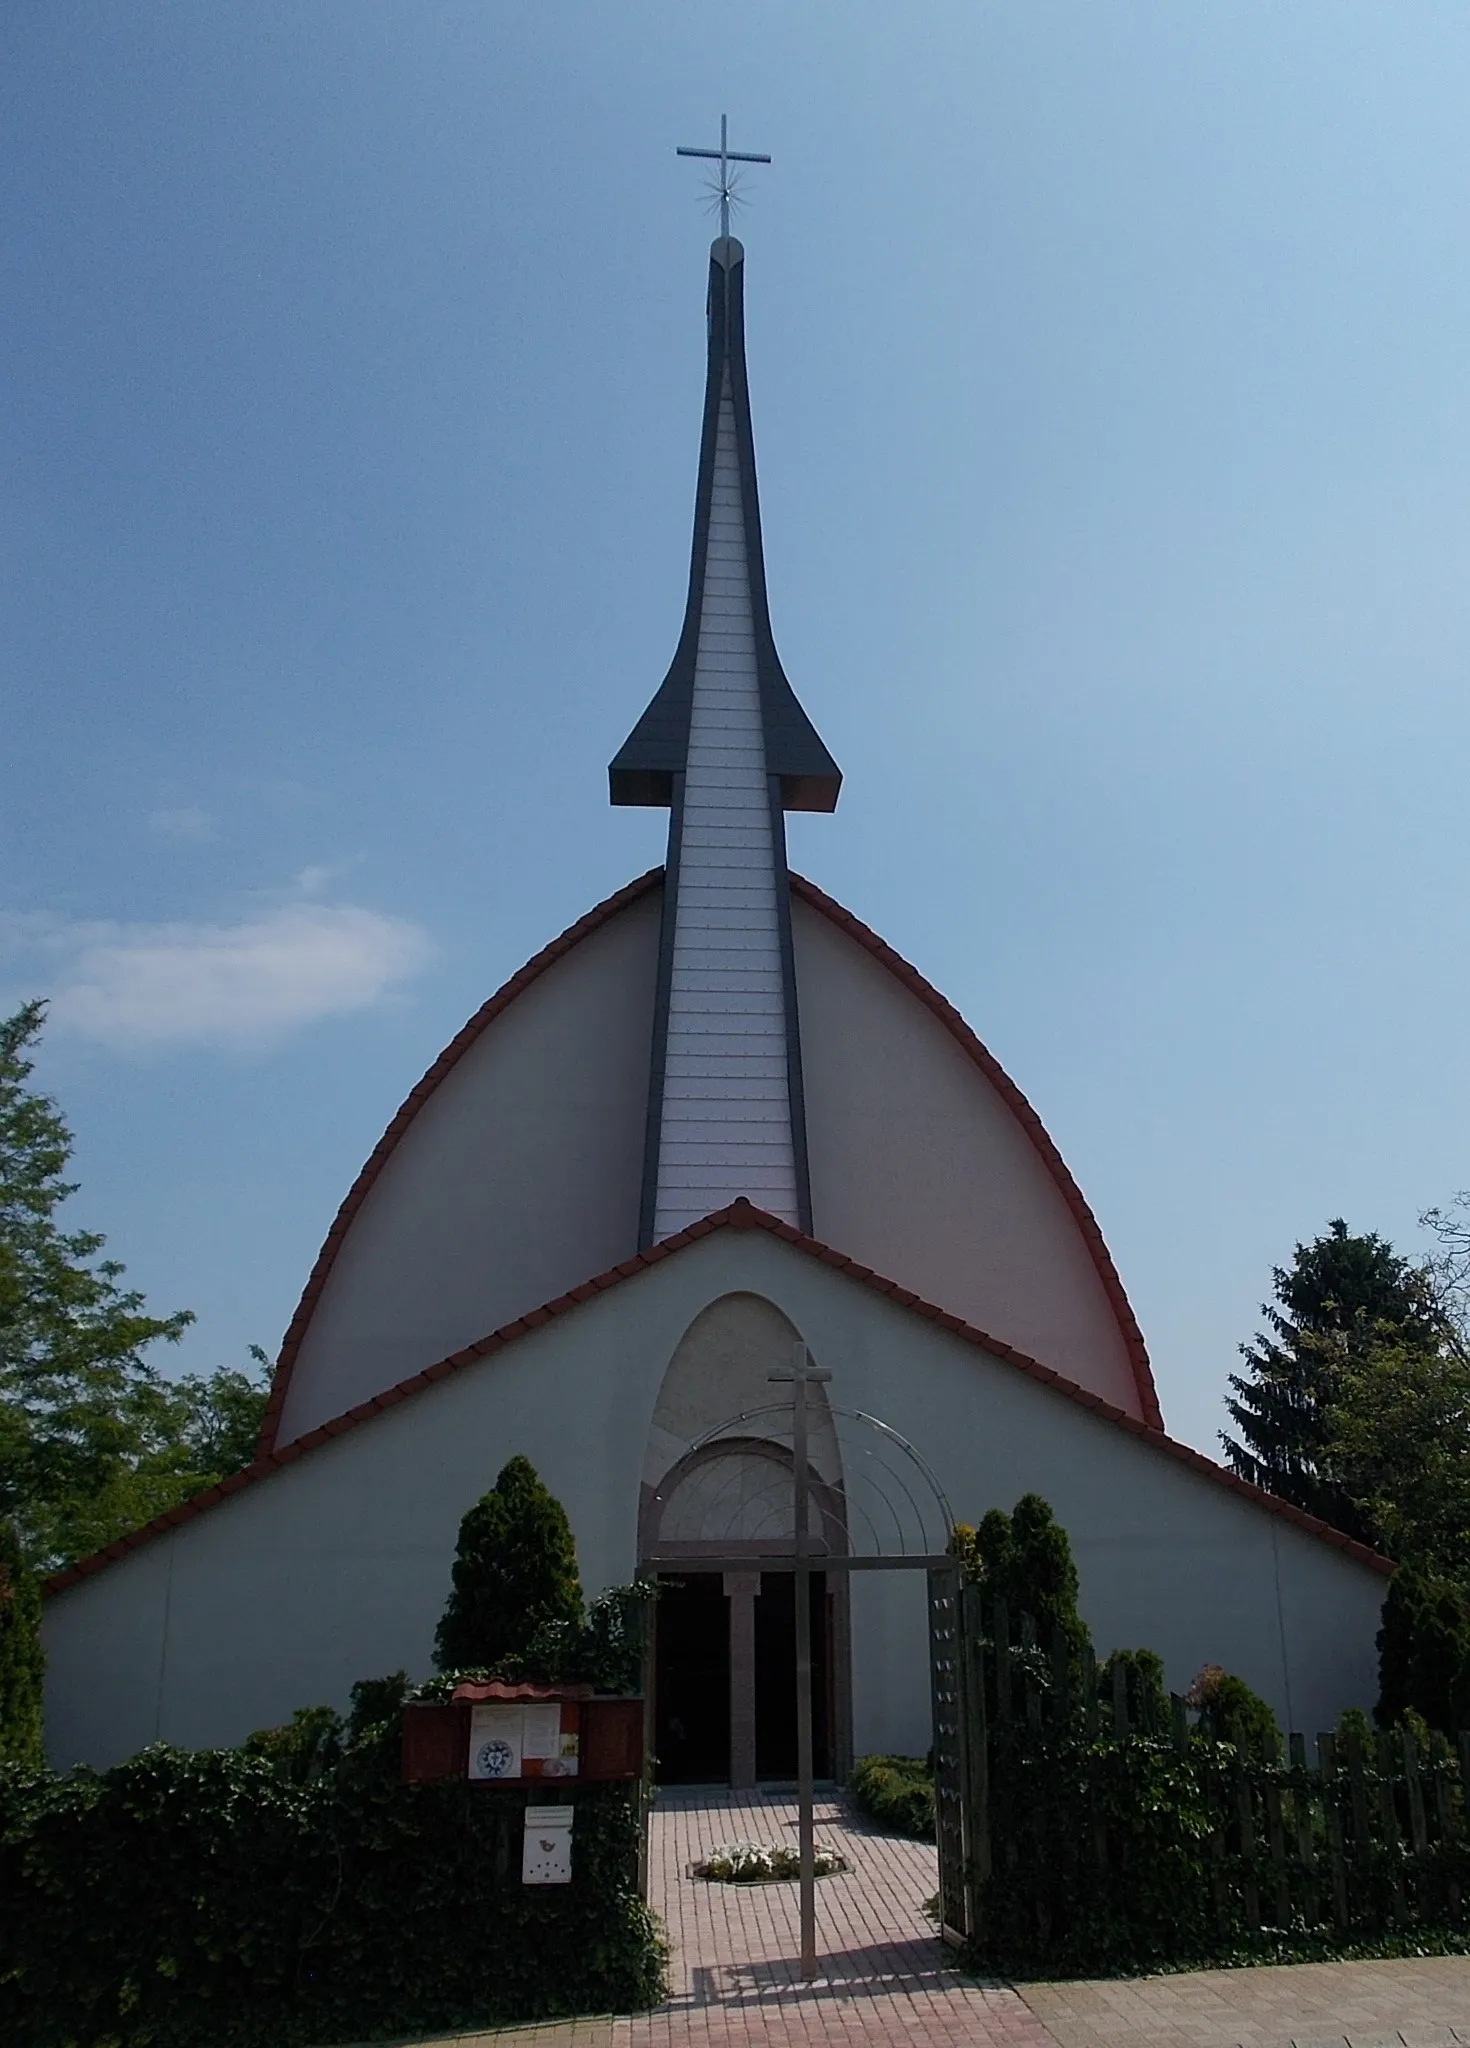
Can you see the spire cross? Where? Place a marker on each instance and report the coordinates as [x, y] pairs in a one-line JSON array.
[[724, 156]]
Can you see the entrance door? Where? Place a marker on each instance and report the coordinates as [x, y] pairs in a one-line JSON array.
[[692, 1680], [775, 1678]]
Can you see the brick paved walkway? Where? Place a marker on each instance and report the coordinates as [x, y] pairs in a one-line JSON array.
[[734, 1976], [1423, 2002], [883, 1975], [882, 1971]]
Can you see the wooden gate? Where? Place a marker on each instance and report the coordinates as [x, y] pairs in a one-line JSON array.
[[961, 1759]]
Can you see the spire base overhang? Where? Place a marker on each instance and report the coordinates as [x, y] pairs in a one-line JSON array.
[[656, 750]]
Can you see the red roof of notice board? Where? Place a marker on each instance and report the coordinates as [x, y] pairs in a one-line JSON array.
[[482, 1689]]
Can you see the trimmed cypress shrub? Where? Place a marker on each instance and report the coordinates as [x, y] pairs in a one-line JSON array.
[[515, 1573], [1025, 1559]]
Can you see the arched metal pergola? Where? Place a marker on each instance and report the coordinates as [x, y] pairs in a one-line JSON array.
[[884, 1510]]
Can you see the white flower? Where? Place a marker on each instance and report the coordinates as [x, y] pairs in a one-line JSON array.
[[761, 1862]]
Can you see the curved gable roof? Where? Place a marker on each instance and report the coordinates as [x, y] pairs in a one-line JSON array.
[[902, 971]]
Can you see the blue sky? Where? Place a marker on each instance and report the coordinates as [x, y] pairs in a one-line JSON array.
[[1111, 400]]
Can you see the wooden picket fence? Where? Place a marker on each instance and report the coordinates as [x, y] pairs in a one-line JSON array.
[[1100, 1822]]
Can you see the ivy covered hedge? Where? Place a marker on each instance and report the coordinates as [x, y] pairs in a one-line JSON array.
[[302, 1895], [1121, 1828], [1092, 1823], [1120, 1850], [897, 1792]]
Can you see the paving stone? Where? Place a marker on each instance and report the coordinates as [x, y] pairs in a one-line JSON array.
[[1414, 2001], [882, 1973], [884, 1978]]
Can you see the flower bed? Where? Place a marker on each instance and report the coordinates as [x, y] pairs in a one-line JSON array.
[[763, 1863]]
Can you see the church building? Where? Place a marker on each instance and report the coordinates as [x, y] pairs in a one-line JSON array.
[[716, 1121]]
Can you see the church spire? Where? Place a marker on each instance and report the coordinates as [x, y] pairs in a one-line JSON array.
[[728, 748]]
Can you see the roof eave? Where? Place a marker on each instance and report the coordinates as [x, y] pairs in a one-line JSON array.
[[740, 1215]]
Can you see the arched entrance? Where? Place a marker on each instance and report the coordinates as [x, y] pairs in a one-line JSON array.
[[732, 1478], [725, 1635], [717, 1501]]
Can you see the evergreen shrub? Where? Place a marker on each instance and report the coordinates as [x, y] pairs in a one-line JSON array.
[[1230, 1712], [515, 1573], [897, 1792], [1022, 1562], [1128, 1831]]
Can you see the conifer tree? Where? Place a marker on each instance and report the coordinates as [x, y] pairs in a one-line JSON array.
[[1025, 1559], [515, 1570], [1341, 1296], [22, 1661], [93, 1439]]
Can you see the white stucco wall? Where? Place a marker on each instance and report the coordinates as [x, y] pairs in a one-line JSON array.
[[336, 1567], [920, 1169], [518, 1179]]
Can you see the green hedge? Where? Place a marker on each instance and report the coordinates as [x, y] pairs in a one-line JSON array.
[[215, 1896], [1121, 1838], [1101, 1859], [897, 1792]]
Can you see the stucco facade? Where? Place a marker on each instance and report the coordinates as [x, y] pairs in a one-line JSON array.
[[334, 1565]]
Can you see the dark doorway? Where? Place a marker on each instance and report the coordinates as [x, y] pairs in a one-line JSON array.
[[775, 1678], [692, 1680]]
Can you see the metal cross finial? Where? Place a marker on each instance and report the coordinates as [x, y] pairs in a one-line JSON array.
[[724, 156]]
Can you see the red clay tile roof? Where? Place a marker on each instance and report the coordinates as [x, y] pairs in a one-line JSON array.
[[524, 1689], [808, 893], [739, 1216]]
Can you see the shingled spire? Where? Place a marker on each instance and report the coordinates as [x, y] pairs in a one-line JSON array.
[[728, 748]]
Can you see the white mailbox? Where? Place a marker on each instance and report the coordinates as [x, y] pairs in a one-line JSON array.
[[547, 1856]]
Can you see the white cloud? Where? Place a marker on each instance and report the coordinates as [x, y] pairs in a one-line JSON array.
[[312, 880], [136, 985], [189, 822]]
